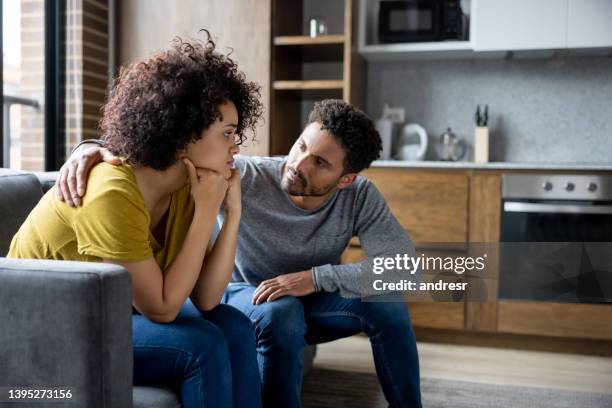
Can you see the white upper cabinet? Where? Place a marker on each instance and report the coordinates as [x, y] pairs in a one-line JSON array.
[[498, 26], [589, 23], [506, 25]]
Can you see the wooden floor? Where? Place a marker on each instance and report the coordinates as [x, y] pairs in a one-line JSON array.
[[482, 364]]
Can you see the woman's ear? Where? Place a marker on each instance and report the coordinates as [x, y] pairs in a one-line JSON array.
[[180, 163], [182, 154]]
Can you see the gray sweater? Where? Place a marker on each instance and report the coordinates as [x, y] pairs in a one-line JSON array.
[[277, 237]]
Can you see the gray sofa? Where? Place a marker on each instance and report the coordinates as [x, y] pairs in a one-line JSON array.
[[67, 325]]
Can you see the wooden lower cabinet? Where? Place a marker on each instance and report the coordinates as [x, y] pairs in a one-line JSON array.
[[465, 206], [431, 205], [484, 226], [576, 320], [437, 315]]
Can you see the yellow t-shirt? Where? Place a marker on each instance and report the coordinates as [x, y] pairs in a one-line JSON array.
[[111, 223]]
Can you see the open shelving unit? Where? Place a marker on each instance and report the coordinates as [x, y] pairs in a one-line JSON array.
[[306, 69]]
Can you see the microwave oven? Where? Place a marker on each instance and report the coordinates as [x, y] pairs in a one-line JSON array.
[[420, 20]]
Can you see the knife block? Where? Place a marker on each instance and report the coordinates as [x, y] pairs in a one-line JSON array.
[[482, 145]]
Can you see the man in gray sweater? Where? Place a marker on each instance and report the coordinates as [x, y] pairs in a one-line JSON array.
[[299, 214]]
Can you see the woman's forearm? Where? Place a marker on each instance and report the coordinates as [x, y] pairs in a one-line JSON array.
[[181, 276], [218, 266]]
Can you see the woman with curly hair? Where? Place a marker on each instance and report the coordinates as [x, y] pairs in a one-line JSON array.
[[176, 120]]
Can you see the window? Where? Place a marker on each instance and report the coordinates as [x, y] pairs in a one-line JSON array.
[[55, 64], [23, 73]]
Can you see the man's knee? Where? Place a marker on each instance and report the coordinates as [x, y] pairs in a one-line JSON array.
[[391, 314], [281, 323]]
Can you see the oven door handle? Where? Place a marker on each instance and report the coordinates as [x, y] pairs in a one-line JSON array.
[[522, 207]]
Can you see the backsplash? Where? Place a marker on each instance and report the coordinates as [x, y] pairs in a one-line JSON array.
[[552, 110]]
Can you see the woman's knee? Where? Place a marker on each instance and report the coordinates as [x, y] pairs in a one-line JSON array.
[[235, 325], [188, 346], [204, 341]]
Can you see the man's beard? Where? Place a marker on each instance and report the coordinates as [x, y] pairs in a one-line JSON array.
[[302, 190], [317, 192]]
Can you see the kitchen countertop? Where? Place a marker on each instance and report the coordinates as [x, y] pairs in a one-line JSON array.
[[429, 164]]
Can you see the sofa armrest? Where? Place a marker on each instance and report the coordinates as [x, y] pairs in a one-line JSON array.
[[67, 325], [47, 179]]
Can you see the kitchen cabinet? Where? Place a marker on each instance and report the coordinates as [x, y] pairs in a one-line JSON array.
[[464, 205], [505, 25], [575, 320], [433, 207], [588, 23], [436, 315], [484, 226], [499, 26]]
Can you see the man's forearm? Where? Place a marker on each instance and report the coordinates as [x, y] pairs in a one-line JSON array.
[[99, 142], [357, 279], [350, 280]]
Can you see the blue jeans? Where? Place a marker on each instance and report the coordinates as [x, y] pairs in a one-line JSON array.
[[209, 357], [285, 326]]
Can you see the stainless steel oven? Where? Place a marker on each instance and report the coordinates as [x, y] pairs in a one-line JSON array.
[[556, 233]]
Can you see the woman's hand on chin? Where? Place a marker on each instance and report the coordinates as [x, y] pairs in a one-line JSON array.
[[233, 198], [208, 187]]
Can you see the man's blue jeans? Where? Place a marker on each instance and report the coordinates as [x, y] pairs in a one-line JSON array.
[[285, 326], [209, 357]]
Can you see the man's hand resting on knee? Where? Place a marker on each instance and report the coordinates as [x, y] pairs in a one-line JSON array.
[[72, 180], [291, 284]]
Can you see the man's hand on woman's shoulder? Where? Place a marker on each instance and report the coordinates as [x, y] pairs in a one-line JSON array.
[[72, 180]]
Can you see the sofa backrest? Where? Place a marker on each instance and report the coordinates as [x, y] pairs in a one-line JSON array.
[[19, 193]]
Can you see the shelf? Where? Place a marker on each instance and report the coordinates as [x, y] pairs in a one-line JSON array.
[[442, 49], [288, 54], [420, 46], [306, 40], [308, 85]]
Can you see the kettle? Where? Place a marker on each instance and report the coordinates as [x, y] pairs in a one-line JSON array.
[[450, 148], [409, 148]]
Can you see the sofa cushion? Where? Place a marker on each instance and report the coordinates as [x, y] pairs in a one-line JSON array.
[[47, 179], [19, 193]]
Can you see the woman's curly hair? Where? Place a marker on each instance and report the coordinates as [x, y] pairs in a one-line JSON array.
[[353, 128], [160, 105]]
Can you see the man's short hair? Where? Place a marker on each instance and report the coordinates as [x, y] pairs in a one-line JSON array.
[[353, 128]]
